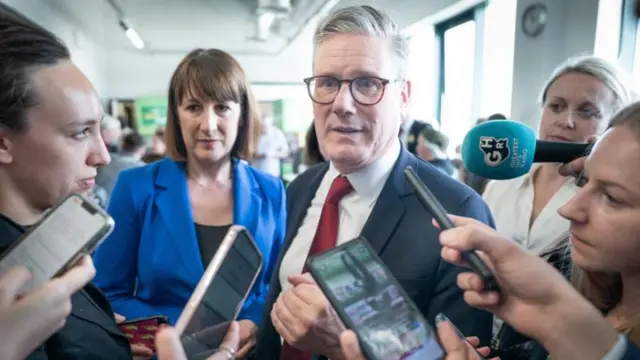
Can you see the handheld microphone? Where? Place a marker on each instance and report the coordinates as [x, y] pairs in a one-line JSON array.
[[438, 212], [506, 149]]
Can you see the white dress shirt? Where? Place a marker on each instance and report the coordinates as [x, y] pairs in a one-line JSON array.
[[617, 351], [511, 203], [354, 210]]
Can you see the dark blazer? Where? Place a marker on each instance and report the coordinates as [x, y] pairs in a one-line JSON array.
[[90, 332], [400, 229], [151, 262], [631, 352]]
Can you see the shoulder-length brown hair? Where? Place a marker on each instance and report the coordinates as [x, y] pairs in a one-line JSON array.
[[604, 289], [214, 75]]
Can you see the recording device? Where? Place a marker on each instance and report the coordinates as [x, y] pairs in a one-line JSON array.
[[371, 302], [143, 330], [72, 229], [506, 149], [438, 212], [220, 294]]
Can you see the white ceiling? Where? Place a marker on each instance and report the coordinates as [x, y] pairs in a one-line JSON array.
[[177, 26]]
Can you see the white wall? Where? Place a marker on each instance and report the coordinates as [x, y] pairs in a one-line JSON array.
[[88, 55], [571, 30]]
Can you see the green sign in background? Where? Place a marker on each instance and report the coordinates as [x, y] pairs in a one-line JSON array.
[[151, 112]]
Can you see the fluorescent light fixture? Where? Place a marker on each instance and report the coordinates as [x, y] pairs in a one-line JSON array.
[[135, 39], [131, 34]]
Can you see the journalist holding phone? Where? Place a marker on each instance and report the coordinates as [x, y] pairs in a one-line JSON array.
[[50, 146], [172, 215]]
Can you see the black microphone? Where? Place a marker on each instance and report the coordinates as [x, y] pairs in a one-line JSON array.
[[559, 151], [438, 212]]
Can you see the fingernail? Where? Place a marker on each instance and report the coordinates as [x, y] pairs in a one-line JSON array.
[[440, 318]]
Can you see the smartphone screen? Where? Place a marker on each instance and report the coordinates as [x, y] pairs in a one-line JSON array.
[[223, 298], [72, 227], [371, 302]]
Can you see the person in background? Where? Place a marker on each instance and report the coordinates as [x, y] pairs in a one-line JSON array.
[[133, 146], [410, 132], [158, 145], [50, 147], [173, 214], [432, 147], [312, 154], [272, 148], [130, 146], [577, 102], [111, 131]]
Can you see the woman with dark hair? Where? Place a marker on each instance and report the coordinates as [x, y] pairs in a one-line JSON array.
[[173, 214], [50, 146]]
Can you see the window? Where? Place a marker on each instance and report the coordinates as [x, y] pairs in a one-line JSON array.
[[457, 47], [607, 44], [629, 36], [422, 71]]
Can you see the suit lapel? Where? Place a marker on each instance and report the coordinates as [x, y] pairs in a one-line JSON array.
[[246, 197], [101, 315], [389, 208], [172, 202]]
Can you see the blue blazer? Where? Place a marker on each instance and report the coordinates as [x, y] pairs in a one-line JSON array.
[[151, 262]]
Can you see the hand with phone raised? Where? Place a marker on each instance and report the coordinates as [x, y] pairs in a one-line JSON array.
[[535, 298], [27, 320]]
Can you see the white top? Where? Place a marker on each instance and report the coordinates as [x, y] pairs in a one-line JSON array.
[[511, 203], [274, 146], [354, 210]]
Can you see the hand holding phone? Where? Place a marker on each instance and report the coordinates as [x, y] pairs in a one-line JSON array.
[[371, 302], [438, 212], [72, 229]]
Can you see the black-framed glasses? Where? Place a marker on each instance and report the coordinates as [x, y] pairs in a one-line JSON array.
[[366, 90]]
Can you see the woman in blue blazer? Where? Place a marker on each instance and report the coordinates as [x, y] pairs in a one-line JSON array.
[[171, 215]]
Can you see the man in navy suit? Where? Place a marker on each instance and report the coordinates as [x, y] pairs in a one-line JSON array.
[[359, 94]]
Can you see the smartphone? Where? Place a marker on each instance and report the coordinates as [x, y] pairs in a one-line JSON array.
[[72, 229], [220, 294], [431, 203], [371, 302], [143, 330]]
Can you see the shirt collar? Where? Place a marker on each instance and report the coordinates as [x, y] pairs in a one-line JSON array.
[[370, 180]]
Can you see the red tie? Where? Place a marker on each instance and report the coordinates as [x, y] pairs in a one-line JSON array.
[[325, 239]]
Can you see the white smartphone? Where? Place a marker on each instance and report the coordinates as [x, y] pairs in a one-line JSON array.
[[220, 294], [73, 228]]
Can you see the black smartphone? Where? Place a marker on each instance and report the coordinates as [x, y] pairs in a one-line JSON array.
[[371, 302], [439, 213]]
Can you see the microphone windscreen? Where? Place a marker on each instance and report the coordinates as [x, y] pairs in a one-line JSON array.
[[499, 149]]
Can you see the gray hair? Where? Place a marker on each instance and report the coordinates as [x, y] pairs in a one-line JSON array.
[[611, 74], [365, 20], [109, 122]]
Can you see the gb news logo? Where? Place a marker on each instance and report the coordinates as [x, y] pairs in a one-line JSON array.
[[496, 151]]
